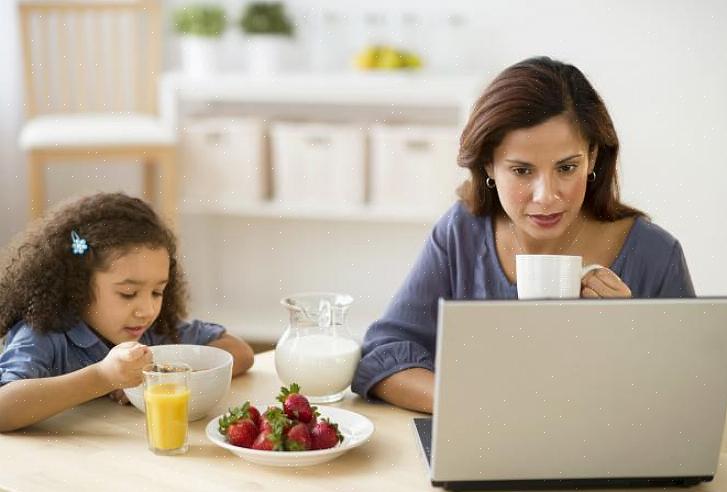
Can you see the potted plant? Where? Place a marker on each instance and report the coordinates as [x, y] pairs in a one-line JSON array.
[[268, 30], [200, 27]]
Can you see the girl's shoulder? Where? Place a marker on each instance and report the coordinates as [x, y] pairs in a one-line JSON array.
[[23, 334], [30, 353], [194, 332]]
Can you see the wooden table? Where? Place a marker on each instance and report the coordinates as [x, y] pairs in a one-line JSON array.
[[102, 446]]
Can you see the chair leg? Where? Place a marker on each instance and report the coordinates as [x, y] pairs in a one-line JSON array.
[[36, 184], [168, 168], [149, 177]]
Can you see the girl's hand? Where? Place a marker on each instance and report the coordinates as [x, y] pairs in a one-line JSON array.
[[119, 397], [122, 366], [602, 282]]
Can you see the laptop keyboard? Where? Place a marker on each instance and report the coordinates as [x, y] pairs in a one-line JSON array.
[[423, 426]]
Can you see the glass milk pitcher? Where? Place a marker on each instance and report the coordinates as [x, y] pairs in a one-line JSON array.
[[317, 351]]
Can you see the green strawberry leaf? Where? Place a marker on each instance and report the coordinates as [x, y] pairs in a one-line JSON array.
[[233, 415], [291, 445], [285, 392]]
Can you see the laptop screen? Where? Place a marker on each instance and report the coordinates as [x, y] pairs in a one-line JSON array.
[[579, 390]]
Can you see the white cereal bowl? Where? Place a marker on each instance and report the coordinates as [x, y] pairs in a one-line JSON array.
[[209, 381]]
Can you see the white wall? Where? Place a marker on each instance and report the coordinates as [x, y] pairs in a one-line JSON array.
[[661, 67], [12, 174]]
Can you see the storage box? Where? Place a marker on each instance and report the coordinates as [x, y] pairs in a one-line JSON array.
[[414, 168], [318, 165], [223, 162]]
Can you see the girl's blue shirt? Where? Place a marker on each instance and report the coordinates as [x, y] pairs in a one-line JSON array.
[[29, 353]]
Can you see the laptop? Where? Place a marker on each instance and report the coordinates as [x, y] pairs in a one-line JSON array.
[[577, 394]]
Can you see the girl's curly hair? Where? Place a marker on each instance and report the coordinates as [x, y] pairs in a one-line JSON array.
[[43, 283]]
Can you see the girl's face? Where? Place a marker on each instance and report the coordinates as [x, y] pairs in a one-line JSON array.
[[128, 294], [541, 175]]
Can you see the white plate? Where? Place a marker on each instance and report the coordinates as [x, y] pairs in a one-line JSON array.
[[356, 430]]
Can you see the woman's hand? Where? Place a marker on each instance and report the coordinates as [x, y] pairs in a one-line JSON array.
[[121, 368], [412, 389], [603, 283]]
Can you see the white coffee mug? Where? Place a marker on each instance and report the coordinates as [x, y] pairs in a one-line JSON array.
[[550, 276]]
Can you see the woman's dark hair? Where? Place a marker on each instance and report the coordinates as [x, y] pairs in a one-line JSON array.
[[48, 286], [525, 95]]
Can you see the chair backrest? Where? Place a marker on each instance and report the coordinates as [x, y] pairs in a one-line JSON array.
[[90, 55]]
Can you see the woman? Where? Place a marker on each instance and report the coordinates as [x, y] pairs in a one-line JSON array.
[[542, 151]]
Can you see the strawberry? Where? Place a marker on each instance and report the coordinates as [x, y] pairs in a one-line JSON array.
[[298, 438], [264, 424], [274, 416], [268, 441], [325, 435], [295, 405], [273, 427], [246, 411], [242, 433], [313, 421], [254, 414]]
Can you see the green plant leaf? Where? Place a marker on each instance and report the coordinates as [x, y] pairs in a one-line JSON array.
[[200, 20], [266, 18]]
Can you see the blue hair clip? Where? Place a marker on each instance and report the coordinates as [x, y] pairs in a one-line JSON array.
[[78, 244]]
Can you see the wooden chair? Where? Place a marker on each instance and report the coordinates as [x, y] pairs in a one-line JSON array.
[[90, 73]]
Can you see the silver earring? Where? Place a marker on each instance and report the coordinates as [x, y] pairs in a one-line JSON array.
[[591, 177], [489, 182]]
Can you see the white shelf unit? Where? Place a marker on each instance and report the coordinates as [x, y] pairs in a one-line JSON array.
[[272, 210], [242, 258], [362, 89]]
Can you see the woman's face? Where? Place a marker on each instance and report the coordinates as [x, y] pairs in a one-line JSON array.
[[541, 175]]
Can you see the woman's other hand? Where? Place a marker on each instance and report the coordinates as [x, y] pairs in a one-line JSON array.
[[603, 283]]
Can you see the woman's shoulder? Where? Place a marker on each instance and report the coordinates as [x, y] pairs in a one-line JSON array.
[[461, 229], [652, 263], [647, 236], [648, 248], [458, 216]]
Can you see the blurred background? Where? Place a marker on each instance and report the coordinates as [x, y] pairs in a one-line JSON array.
[[310, 145]]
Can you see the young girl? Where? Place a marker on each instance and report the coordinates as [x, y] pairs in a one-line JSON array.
[[82, 295]]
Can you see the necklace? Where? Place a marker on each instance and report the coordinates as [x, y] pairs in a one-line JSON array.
[[560, 250]]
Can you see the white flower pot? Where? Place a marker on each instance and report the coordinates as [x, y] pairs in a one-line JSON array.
[[199, 54], [266, 53]]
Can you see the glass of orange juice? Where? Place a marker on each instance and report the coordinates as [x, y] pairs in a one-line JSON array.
[[166, 402]]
